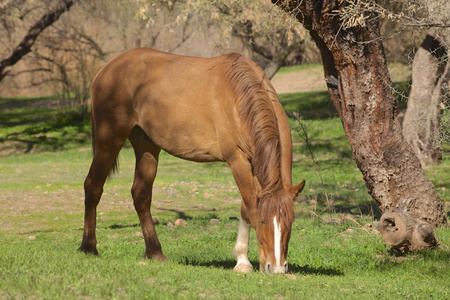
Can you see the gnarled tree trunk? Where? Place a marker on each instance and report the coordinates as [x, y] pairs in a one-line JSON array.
[[359, 85]]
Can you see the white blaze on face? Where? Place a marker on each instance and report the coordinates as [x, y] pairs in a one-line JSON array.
[[277, 241]]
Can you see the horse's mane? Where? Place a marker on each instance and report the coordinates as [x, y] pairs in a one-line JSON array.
[[262, 141]]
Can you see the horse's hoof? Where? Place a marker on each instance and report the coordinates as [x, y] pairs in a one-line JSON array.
[[243, 268], [88, 250], [156, 256], [161, 258]]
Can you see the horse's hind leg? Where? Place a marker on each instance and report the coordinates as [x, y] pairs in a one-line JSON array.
[[146, 165], [105, 153]]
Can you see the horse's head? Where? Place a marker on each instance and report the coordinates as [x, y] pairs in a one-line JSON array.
[[275, 217]]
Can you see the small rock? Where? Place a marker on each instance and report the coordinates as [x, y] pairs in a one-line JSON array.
[[142, 263], [155, 220], [214, 221], [31, 237], [180, 222], [56, 219], [350, 230], [172, 192], [170, 225]]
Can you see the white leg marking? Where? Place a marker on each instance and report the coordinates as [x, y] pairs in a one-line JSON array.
[[241, 248], [277, 241]]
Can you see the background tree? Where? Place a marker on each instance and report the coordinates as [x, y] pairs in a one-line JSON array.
[[359, 85], [65, 57], [48, 18], [429, 97], [258, 24]]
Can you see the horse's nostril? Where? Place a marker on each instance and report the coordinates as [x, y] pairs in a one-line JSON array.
[[269, 268]]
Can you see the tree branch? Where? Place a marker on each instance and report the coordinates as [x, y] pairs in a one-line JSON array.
[[27, 42]]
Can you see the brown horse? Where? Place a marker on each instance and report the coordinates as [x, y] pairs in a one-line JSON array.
[[203, 110]]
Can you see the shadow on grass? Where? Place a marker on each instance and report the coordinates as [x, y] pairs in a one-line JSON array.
[[369, 209], [120, 226], [180, 214], [293, 268], [34, 124], [307, 270], [311, 105]]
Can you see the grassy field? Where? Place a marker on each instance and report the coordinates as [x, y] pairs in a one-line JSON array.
[[334, 252]]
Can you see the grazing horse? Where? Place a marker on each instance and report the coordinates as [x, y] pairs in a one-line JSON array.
[[203, 110]]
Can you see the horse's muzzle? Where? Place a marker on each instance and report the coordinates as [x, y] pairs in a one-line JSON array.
[[277, 269]]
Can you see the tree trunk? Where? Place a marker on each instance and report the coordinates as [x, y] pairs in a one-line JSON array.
[[359, 85], [429, 90], [27, 42], [275, 57]]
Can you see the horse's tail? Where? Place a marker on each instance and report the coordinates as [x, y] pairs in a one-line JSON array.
[[115, 165]]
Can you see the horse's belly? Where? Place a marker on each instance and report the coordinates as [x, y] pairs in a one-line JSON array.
[[186, 136], [187, 146]]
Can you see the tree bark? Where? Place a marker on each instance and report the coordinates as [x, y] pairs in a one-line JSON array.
[[429, 90], [27, 42], [360, 88]]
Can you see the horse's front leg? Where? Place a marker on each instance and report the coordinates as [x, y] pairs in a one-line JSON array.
[[241, 248], [243, 176]]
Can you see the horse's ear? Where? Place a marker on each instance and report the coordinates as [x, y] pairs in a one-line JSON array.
[[295, 190]]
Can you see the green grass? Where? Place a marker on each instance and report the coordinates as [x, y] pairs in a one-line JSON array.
[[36, 124], [41, 219]]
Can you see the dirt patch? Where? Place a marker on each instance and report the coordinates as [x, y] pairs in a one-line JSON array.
[[312, 79], [309, 80]]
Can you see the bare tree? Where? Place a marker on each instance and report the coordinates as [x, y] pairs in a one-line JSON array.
[[24, 47], [359, 85], [71, 56]]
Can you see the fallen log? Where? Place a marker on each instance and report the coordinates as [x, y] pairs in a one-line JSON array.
[[404, 231]]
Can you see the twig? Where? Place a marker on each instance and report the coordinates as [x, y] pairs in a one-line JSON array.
[[302, 131]]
